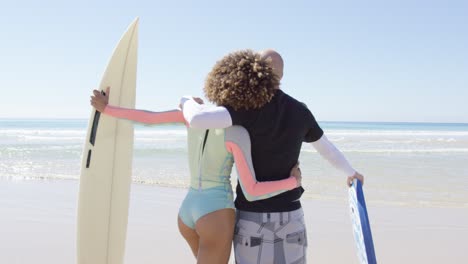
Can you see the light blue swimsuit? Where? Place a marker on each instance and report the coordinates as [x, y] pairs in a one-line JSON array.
[[210, 169]]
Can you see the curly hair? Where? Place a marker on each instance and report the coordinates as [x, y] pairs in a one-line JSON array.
[[242, 80]]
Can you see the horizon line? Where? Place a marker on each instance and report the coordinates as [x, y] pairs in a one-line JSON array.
[[330, 121]]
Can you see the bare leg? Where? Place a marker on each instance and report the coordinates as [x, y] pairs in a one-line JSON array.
[[190, 236], [216, 231]]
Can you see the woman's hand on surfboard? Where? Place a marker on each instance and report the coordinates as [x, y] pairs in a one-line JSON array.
[[356, 175], [296, 173], [100, 100]]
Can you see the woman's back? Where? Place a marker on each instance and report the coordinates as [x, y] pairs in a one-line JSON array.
[[209, 161]]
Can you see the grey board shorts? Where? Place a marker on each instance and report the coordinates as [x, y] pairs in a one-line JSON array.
[[273, 238]]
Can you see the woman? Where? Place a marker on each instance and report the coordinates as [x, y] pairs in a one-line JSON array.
[[206, 217]]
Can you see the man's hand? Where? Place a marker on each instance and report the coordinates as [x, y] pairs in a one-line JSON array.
[[296, 173], [355, 176], [99, 100], [186, 98], [198, 100]]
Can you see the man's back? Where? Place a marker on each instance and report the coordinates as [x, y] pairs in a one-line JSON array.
[[277, 131]]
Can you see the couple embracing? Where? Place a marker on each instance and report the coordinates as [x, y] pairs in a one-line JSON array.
[[259, 129]]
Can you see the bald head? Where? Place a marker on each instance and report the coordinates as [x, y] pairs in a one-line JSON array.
[[275, 60]]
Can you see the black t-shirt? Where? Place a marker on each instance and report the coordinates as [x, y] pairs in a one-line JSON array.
[[277, 131]]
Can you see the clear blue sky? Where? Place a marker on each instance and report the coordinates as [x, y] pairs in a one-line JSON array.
[[347, 60]]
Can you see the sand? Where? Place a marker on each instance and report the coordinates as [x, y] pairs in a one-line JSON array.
[[38, 220]]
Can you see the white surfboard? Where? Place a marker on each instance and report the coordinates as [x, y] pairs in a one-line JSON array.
[[107, 164]]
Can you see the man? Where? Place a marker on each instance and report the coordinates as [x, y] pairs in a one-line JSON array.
[[270, 230]]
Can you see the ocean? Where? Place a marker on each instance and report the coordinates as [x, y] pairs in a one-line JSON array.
[[404, 164]]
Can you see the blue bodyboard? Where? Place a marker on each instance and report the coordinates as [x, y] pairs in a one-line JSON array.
[[361, 225]]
